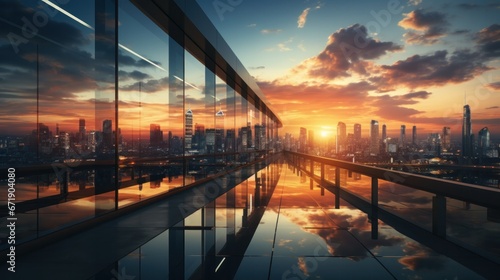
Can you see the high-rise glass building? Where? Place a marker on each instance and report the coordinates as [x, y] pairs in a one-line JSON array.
[[374, 138], [467, 136], [357, 136], [446, 139], [340, 142], [483, 141], [402, 136], [105, 71], [414, 136]]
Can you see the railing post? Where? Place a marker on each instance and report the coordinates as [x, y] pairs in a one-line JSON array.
[[311, 183], [374, 213], [439, 215], [337, 187], [322, 173], [374, 192], [311, 165]]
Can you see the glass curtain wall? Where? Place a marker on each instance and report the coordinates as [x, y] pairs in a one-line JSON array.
[[109, 109]]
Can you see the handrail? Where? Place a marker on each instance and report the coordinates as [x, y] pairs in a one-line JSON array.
[[480, 195]]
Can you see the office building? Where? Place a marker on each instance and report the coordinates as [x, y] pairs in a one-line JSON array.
[[467, 135], [374, 138]]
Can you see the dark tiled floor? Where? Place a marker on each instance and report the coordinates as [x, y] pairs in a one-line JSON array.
[[297, 235]]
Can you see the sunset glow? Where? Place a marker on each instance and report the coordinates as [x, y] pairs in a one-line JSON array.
[[399, 62]]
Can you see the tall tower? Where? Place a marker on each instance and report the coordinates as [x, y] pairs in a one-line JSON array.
[[414, 136], [107, 133], [341, 137], [446, 139], [402, 136], [302, 140], [374, 139], [467, 145], [188, 126], [357, 136], [81, 130], [483, 139], [384, 132]]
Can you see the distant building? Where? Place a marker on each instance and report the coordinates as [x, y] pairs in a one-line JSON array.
[[402, 136], [384, 132], [414, 136], [446, 139], [483, 141], [467, 136], [302, 140], [357, 136], [374, 138], [340, 144]]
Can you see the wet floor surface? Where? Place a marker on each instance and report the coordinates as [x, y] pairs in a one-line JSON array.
[[271, 225]]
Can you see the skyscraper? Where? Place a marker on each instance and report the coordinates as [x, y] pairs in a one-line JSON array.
[[467, 145], [402, 136], [483, 141], [82, 129], [357, 136], [384, 132], [341, 137], [374, 139], [445, 140], [302, 140], [107, 134], [414, 136]]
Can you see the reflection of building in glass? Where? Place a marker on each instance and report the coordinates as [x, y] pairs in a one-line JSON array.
[[188, 123], [374, 138], [414, 136], [155, 135], [107, 134]]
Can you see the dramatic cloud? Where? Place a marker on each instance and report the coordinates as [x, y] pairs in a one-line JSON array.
[[494, 86], [303, 18], [493, 107], [418, 94], [424, 27], [431, 70], [488, 40], [414, 2], [347, 51]]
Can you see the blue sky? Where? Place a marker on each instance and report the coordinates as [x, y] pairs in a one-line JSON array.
[[419, 60]]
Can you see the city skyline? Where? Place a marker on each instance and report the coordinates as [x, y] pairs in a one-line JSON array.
[[400, 62]]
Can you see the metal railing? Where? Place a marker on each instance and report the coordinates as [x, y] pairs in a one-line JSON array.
[[441, 190]]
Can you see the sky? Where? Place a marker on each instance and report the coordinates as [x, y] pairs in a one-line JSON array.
[[405, 62]]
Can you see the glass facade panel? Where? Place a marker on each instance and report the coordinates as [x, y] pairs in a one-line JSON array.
[[106, 106]]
